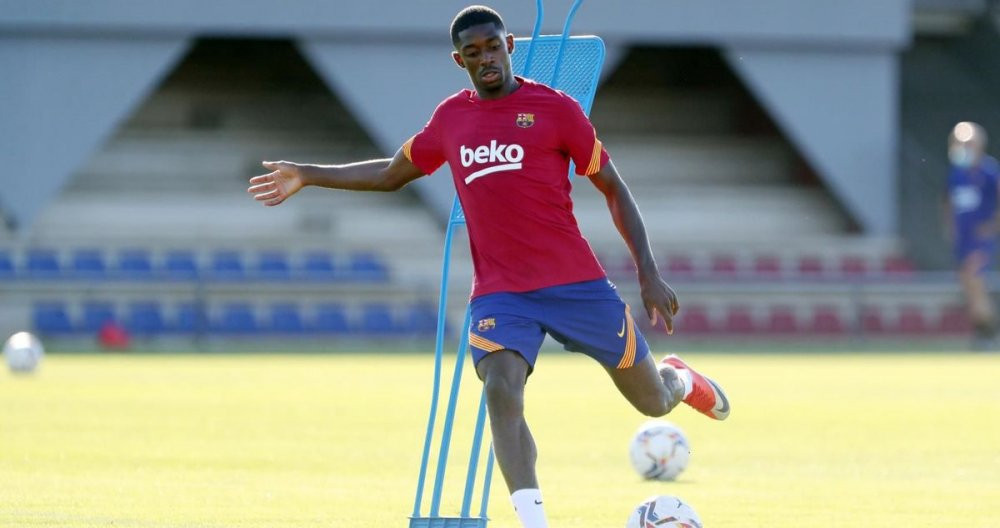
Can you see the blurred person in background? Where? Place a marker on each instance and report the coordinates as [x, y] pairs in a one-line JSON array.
[[974, 224]]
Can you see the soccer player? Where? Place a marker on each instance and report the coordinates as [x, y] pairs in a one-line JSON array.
[[508, 143], [972, 204]]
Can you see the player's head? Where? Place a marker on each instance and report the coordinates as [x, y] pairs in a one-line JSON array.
[[966, 144], [483, 48]]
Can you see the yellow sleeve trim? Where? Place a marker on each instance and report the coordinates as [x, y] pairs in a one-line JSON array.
[[595, 159], [406, 148]]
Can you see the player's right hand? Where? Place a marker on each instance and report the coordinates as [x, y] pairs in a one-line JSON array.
[[276, 186]]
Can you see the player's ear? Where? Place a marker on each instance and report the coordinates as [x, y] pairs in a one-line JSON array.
[[458, 59], [510, 43]]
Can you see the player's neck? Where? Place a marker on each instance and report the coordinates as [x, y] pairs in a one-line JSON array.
[[508, 88]]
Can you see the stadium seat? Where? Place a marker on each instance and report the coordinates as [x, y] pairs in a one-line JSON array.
[[897, 265], [88, 264], [954, 320], [144, 318], [826, 320], [912, 320], [135, 264], [872, 320], [180, 265], [368, 267], [7, 270], [810, 267], [273, 265], [42, 264], [724, 266], [782, 320], [692, 320], [767, 267], [680, 266], [227, 265], [189, 319], [51, 318], [421, 320], [853, 266], [286, 318], [318, 265], [237, 318], [739, 320], [96, 314], [331, 318], [377, 320]]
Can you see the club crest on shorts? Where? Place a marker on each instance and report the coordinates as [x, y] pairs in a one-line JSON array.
[[486, 324], [525, 120]]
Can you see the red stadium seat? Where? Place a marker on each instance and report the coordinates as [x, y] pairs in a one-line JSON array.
[[954, 320], [897, 265], [782, 320], [724, 266], [739, 320], [810, 266], [693, 320], [679, 266], [911, 320], [827, 320], [872, 320], [767, 266], [853, 266]]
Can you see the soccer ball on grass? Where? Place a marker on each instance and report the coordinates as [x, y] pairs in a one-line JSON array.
[[23, 351], [659, 450], [664, 511]]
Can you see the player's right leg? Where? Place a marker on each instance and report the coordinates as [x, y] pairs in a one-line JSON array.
[[977, 295]]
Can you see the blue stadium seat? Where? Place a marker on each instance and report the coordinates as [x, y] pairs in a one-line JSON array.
[[286, 318], [135, 264], [144, 318], [88, 264], [227, 265], [51, 318], [273, 265], [43, 263], [318, 265], [180, 265], [6, 266], [190, 319], [237, 318], [376, 320], [96, 314], [368, 267], [421, 320], [331, 318]]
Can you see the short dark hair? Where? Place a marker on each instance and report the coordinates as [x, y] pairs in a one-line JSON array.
[[473, 16]]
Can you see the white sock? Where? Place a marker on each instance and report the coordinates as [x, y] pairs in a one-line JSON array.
[[528, 505]]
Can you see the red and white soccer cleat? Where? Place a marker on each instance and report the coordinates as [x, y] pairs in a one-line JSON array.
[[706, 395]]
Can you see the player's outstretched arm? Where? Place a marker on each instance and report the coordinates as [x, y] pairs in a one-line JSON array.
[[658, 297], [287, 178]]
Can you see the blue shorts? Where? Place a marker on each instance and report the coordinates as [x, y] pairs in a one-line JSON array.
[[587, 317], [986, 250]]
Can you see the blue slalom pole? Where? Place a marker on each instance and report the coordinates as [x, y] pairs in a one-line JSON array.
[[539, 15], [562, 44], [477, 443], [438, 353]]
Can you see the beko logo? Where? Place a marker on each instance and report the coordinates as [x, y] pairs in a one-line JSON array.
[[508, 156]]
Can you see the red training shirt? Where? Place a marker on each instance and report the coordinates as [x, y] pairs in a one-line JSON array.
[[509, 158]]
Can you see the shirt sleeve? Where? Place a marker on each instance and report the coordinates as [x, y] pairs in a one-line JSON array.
[[425, 149], [579, 139]]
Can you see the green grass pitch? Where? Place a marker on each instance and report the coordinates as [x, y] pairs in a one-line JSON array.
[[817, 440]]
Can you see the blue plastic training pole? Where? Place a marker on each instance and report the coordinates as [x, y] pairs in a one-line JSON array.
[[562, 44], [438, 353], [539, 15]]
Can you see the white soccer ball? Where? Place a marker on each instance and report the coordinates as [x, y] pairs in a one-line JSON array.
[[23, 351], [664, 511], [659, 450]]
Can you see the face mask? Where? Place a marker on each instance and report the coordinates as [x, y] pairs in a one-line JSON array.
[[961, 157]]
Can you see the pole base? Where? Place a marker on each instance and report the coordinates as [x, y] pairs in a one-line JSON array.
[[448, 522]]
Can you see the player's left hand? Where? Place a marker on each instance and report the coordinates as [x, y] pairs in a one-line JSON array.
[[660, 301]]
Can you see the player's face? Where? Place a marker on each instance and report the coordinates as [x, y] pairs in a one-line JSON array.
[[484, 51]]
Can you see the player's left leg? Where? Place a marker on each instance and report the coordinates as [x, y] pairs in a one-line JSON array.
[[652, 391]]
